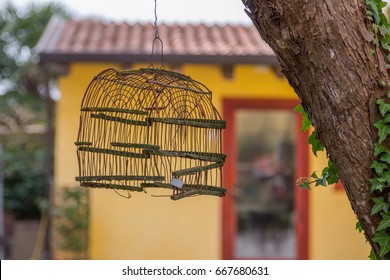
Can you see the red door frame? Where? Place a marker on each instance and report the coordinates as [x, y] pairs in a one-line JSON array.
[[229, 174]]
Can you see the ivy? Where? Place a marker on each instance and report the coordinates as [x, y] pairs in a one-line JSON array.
[[359, 226], [305, 118], [315, 144], [379, 205], [381, 181], [385, 223], [383, 130], [329, 174], [383, 239]]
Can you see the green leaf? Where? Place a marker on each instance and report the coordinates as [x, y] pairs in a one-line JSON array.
[[385, 44], [379, 205], [386, 118], [306, 123], [305, 185], [372, 255], [383, 239], [383, 130], [385, 176], [377, 184], [315, 144], [331, 173], [385, 223], [314, 175], [322, 181], [378, 149], [379, 167], [374, 10], [386, 157], [384, 30], [359, 227], [383, 106]]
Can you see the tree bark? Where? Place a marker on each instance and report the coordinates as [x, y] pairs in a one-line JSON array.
[[325, 50]]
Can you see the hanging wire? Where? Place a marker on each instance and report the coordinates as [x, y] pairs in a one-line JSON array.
[[156, 39]]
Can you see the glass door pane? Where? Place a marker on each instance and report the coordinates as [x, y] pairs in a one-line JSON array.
[[264, 198]]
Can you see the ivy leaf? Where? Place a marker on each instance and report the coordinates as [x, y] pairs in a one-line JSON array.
[[322, 181], [377, 184], [372, 255], [378, 149], [383, 106], [385, 44], [385, 176], [386, 157], [332, 176], [383, 130], [305, 185], [315, 144], [383, 239], [314, 175], [385, 223], [384, 30], [306, 123], [359, 226], [379, 167], [374, 10], [379, 205], [386, 118]]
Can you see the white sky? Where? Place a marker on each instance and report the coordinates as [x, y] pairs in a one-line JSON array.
[[207, 11]]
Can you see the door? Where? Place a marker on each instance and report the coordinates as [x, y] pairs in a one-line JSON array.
[[264, 213]]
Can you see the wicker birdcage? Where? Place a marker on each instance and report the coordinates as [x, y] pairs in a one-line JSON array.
[[150, 128]]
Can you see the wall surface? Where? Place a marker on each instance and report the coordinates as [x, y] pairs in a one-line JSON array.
[[146, 227]]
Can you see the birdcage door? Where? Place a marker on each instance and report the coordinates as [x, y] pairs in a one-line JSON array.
[[264, 213]]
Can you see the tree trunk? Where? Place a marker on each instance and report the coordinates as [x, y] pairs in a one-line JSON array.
[[325, 50]]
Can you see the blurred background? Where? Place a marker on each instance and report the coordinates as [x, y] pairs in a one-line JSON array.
[[47, 62]]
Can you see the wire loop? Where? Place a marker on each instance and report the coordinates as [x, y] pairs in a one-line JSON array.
[[156, 40]]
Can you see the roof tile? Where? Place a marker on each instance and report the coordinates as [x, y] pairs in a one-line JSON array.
[[86, 37]]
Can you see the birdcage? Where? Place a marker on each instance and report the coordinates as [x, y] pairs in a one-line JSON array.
[[150, 128]]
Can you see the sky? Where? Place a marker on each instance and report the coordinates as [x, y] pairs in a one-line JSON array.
[[168, 11]]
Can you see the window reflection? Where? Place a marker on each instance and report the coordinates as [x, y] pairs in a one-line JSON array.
[[265, 184]]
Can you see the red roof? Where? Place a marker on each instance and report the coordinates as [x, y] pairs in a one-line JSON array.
[[87, 40]]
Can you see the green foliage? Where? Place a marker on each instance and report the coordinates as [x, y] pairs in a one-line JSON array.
[[359, 226], [305, 118], [315, 144], [379, 205], [72, 220], [20, 30], [24, 173], [372, 255], [379, 167], [385, 223], [329, 174], [381, 181], [383, 239], [383, 130], [375, 12], [22, 105]]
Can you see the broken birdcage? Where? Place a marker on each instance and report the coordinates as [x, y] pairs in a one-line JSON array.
[[150, 128]]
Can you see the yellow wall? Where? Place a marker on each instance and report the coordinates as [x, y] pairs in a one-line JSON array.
[[145, 227], [332, 223]]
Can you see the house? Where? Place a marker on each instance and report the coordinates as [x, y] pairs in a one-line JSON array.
[[263, 215]]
